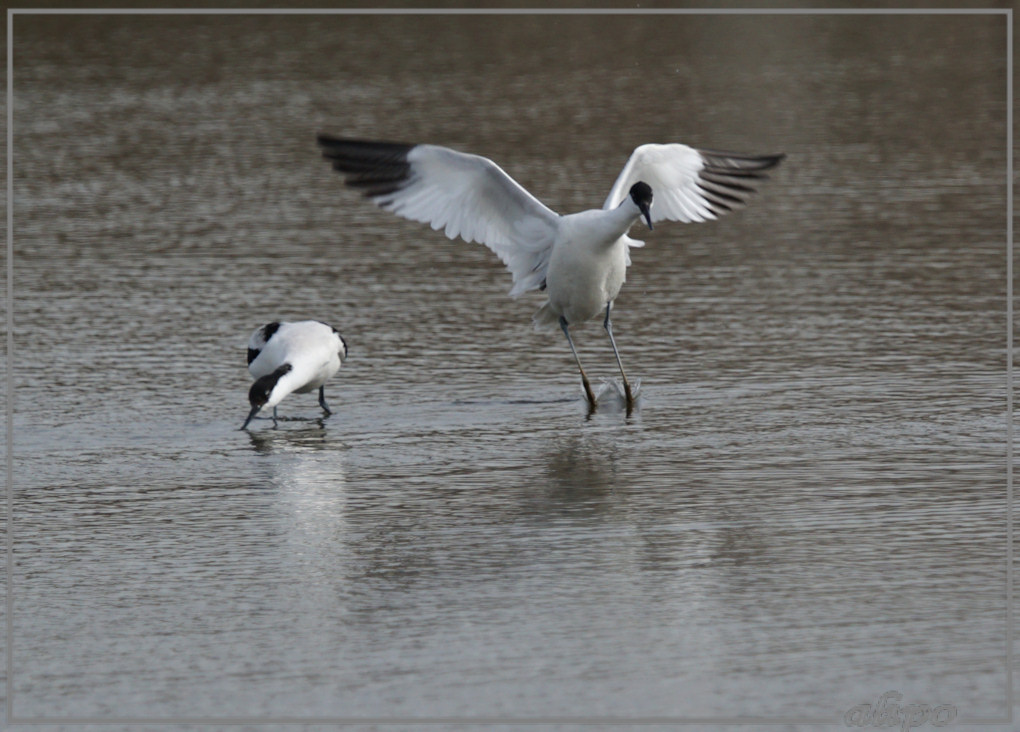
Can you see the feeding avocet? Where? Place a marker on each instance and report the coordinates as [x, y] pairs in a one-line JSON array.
[[292, 357]]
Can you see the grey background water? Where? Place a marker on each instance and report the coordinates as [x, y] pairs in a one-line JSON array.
[[808, 509]]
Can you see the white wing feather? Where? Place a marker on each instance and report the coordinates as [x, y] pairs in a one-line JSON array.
[[470, 197], [672, 172], [692, 185]]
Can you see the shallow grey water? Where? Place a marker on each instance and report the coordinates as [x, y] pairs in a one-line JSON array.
[[806, 511]]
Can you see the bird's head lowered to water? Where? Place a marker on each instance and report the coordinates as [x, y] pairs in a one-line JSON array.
[[641, 194], [261, 392]]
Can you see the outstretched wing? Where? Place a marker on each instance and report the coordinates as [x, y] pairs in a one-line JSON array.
[[466, 196], [692, 185]]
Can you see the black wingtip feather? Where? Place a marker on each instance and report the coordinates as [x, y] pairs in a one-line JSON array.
[[732, 184], [740, 162], [337, 142], [377, 167], [359, 155], [728, 180]]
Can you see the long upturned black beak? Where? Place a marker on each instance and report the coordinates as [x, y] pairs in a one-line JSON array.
[[646, 209], [251, 416]]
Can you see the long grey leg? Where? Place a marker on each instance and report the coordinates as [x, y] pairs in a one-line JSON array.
[[322, 400], [584, 377], [608, 325], [274, 416]]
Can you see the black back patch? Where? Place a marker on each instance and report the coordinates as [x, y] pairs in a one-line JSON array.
[[269, 329], [264, 334]]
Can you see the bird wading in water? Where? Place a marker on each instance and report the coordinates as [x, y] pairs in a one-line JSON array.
[[579, 260]]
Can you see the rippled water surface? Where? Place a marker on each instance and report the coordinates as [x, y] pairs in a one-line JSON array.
[[806, 510]]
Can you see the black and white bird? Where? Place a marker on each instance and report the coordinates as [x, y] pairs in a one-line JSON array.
[[580, 260], [292, 357]]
